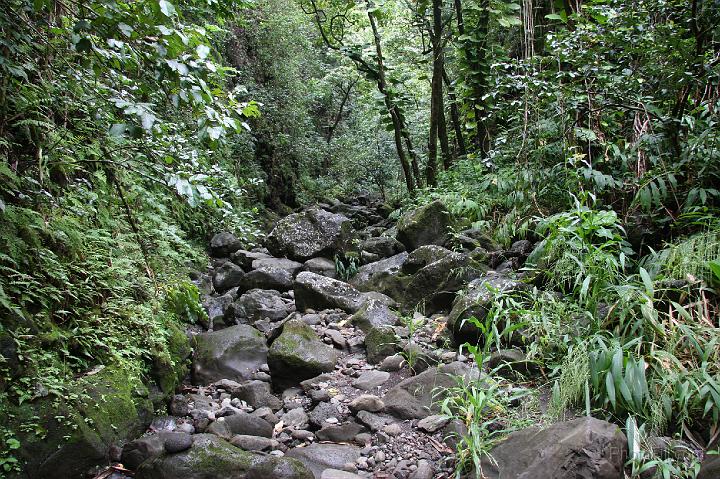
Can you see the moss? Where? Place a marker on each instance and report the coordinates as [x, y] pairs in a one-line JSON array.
[[380, 343], [63, 437], [171, 366]]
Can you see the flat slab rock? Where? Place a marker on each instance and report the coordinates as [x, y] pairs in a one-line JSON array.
[[582, 448], [232, 353]]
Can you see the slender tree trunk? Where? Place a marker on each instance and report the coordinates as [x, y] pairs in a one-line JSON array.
[[455, 115], [448, 157], [436, 103], [396, 117]]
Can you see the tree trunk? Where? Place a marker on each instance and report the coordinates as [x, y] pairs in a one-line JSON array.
[[455, 116], [436, 103], [396, 117]]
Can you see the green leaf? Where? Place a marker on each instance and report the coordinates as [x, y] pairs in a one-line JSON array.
[[647, 281], [167, 8], [610, 388], [555, 16], [203, 51]]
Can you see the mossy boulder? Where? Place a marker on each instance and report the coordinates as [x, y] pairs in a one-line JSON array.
[[172, 365], [311, 233], [384, 276], [64, 437], [428, 224], [298, 354], [211, 457], [373, 314], [313, 291], [380, 343]]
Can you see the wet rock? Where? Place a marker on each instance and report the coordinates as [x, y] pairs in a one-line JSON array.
[[585, 447], [211, 457], [428, 224], [311, 233], [298, 354], [233, 353], [227, 276], [313, 291], [224, 244]]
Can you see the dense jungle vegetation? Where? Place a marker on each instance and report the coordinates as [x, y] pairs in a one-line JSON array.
[[133, 131]]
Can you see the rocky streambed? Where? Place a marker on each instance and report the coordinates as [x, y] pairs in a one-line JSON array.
[[298, 374]]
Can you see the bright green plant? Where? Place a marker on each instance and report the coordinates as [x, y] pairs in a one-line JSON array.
[[183, 300]]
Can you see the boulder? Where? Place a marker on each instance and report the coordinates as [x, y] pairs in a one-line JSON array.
[[292, 267], [416, 397], [217, 307], [709, 468], [322, 412], [313, 291], [267, 277], [428, 224], [321, 266], [298, 354], [511, 363], [435, 285], [259, 304], [232, 353], [227, 276], [257, 394], [339, 432], [319, 457], [370, 380], [379, 344], [311, 233], [373, 314], [244, 258], [382, 246], [476, 301], [241, 423], [211, 457], [224, 244], [383, 276], [582, 448], [424, 256], [254, 443], [77, 435]]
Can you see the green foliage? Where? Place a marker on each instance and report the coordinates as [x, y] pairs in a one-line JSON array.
[[346, 266], [184, 302]]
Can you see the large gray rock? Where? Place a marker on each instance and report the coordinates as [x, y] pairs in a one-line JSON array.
[[313, 232], [383, 276], [417, 396], [232, 353], [258, 304], [298, 354], [428, 224], [423, 256], [383, 246], [435, 285], [373, 314], [244, 258], [710, 468], [211, 457], [476, 302], [319, 457], [267, 277], [257, 394], [227, 276], [217, 307], [224, 244], [319, 292], [241, 423], [292, 267], [321, 266], [582, 448], [380, 343]]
